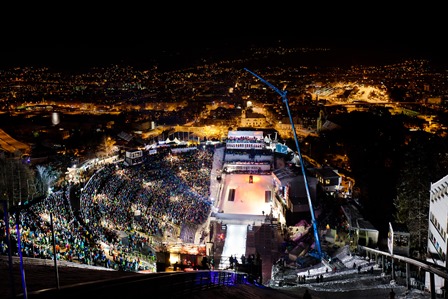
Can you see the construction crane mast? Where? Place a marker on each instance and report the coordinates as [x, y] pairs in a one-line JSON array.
[[282, 93]]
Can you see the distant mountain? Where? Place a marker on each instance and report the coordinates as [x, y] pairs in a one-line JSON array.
[[178, 54]]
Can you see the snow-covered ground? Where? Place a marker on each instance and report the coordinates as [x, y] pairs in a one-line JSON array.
[[346, 283], [235, 244], [358, 277]]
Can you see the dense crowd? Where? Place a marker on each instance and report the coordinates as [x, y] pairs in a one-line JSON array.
[[167, 193]]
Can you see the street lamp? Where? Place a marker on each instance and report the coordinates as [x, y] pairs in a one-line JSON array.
[[309, 148]]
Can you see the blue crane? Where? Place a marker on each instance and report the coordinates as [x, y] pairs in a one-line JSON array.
[[282, 93]]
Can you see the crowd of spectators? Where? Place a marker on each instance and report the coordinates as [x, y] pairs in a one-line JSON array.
[[167, 193]]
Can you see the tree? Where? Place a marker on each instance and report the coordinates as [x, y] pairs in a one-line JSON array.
[[424, 161], [106, 147], [16, 180], [46, 177]]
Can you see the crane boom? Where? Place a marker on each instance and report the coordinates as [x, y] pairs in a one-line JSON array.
[[282, 93]]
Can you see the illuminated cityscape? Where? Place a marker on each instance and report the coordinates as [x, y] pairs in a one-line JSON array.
[[368, 122]]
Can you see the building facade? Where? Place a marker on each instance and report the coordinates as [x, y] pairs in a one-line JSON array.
[[437, 229], [329, 179]]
